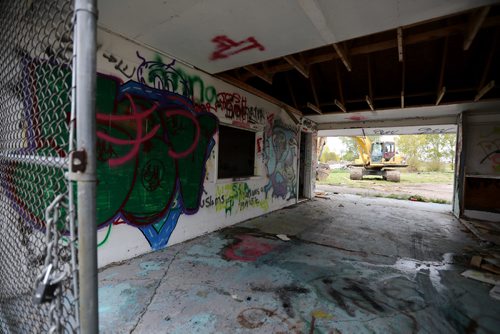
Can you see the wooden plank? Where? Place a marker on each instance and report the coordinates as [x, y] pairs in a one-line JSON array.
[[400, 44], [298, 66], [481, 276], [490, 59], [255, 91], [261, 74], [383, 45], [340, 105], [339, 83], [484, 90], [440, 95], [475, 23], [342, 53], [290, 90], [370, 103], [314, 108]]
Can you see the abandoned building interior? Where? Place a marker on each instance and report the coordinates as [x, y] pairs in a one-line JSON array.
[[207, 118]]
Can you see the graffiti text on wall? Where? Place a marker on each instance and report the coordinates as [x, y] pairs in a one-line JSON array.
[[236, 197], [490, 148], [280, 156], [152, 149], [226, 47]]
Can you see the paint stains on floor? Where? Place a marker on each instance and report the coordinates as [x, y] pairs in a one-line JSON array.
[[372, 266]]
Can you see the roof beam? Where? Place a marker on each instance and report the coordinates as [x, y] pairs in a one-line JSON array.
[[290, 91], [484, 90], [258, 73], [440, 95], [475, 23], [400, 44], [490, 58], [340, 105], [369, 97], [314, 108], [229, 79], [442, 90], [298, 66], [342, 53], [385, 45], [370, 102], [339, 83]]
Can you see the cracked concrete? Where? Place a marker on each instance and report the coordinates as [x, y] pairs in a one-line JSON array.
[[353, 265]]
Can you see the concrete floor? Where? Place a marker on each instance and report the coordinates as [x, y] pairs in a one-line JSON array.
[[353, 265]]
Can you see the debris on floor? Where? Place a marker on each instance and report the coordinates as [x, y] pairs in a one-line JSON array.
[[484, 230], [482, 276], [283, 237], [495, 292], [387, 268]]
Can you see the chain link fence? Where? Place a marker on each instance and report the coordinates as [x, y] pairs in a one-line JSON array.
[[38, 246]]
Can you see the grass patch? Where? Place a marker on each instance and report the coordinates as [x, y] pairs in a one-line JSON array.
[[341, 177], [414, 198]]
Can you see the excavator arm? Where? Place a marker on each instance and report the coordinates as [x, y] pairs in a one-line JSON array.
[[364, 145]]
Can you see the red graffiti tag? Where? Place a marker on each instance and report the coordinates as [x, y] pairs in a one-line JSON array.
[[139, 139], [226, 47], [356, 118], [259, 145], [247, 249]]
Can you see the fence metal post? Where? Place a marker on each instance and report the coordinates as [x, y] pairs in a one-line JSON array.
[[85, 68]]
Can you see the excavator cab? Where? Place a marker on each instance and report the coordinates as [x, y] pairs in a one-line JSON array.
[[377, 158], [377, 152]]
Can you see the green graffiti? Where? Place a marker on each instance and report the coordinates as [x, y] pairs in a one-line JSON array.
[[237, 197], [43, 133], [200, 92]]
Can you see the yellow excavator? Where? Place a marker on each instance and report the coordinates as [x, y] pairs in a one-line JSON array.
[[376, 158]]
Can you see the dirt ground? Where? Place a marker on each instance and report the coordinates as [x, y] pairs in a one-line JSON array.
[[427, 190]]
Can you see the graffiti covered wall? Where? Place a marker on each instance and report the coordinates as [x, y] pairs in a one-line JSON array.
[[157, 122]]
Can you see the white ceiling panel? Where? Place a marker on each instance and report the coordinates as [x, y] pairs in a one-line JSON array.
[[258, 30]]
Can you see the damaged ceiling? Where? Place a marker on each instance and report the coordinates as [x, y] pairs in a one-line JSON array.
[[449, 60], [322, 58]]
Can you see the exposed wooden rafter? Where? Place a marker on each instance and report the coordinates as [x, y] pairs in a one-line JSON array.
[[475, 23], [290, 91], [484, 90], [340, 105], [259, 73], [400, 44], [441, 90], [440, 95], [339, 83], [314, 108], [412, 39], [297, 65], [487, 66], [342, 53], [369, 97], [259, 93], [370, 102]]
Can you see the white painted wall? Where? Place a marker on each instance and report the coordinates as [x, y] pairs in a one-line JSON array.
[[120, 58]]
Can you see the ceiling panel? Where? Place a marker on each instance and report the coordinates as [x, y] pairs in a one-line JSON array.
[[219, 35]]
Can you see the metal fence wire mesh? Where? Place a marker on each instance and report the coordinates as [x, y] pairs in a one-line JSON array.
[[37, 238]]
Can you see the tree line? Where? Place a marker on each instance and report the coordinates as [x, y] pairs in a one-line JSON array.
[[429, 151]]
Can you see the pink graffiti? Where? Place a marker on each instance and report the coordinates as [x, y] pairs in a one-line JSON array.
[[247, 249], [226, 47], [259, 145], [139, 139], [356, 118]]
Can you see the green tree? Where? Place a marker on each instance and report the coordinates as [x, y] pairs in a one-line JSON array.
[[328, 155]]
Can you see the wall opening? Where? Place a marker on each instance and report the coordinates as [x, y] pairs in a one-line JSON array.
[[236, 153]]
